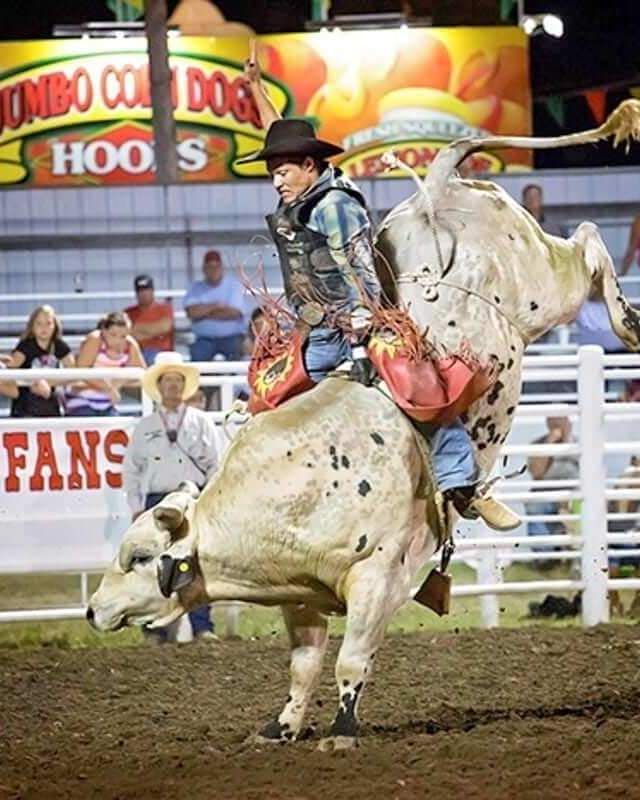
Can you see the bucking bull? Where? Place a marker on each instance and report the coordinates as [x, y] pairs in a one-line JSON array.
[[319, 505]]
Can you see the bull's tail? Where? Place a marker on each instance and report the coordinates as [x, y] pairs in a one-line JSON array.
[[623, 124]]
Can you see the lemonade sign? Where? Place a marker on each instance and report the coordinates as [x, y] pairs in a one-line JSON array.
[[78, 112]]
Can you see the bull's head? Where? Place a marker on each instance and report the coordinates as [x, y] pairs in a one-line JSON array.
[[155, 565]]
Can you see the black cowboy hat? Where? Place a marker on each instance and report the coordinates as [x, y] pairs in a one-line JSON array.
[[292, 137]]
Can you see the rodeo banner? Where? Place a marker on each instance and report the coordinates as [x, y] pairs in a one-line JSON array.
[[77, 112], [62, 501]]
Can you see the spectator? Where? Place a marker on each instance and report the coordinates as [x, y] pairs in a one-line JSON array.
[[41, 345], [552, 468], [110, 345], [631, 393], [215, 307], [593, 326], [176, 442], [256, 324], [533, 201], [198, 400], [633, 247], [620, 565], [152, 324]]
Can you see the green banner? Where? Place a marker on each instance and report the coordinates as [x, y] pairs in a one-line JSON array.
[[555, 106], [126, 10], [506, 7]]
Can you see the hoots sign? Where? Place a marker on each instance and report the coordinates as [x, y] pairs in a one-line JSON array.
[[78, 112]]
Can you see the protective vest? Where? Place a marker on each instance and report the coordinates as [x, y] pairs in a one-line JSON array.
[[309, 270]]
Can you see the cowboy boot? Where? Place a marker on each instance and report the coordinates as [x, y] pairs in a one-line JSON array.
[[495, 514]]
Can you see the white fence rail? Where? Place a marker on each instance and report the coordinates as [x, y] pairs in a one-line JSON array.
[[590, 544], [117, 299]]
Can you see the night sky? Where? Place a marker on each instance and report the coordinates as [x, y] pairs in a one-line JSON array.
[[601, 47]]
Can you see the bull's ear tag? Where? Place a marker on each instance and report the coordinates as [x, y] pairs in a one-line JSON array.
[[435, 592], [175, 574]]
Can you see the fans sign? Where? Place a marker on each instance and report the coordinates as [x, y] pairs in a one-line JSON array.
[[63, 505]]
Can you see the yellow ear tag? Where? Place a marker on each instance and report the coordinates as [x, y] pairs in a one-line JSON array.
[[183, 567]]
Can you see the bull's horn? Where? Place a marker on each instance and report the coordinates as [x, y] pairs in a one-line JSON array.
[[172, 616], [170, 512]]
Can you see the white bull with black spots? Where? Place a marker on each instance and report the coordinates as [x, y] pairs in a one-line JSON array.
[[319, 505]]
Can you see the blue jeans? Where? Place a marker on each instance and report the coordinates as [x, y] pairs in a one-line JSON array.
[[452, 455], [453, 460], [325, 349], [199, 617], [204, 349], [550, 528]]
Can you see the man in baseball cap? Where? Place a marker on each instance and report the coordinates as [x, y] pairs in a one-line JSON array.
[[152, 322], [216, 308]]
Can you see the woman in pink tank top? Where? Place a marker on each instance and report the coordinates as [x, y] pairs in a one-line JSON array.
[[110, 345]]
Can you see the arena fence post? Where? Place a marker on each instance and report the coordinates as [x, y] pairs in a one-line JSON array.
[[593, 516], [489, 572], [84, 589]]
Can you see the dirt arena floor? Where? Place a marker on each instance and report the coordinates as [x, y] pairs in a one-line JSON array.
[[529, 713]]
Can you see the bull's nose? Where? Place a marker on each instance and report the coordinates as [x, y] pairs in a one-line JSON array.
[[90, 615]]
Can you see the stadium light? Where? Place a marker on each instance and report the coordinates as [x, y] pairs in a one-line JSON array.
[[533, 24], [553, 25]]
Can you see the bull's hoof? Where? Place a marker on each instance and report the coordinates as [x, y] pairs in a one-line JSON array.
[[259, 739], [334, 743], [275, 733]]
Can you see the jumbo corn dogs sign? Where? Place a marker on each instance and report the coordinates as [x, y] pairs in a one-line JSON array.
[[78, 112]]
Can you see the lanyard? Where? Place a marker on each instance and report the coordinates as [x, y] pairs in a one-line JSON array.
[[172, 433], [172, 436]]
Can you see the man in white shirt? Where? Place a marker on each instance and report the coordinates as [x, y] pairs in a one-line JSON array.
[[175, 443]]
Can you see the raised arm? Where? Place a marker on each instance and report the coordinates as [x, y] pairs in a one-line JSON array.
[[267, 110]]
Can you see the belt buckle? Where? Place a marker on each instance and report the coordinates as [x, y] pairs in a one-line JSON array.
[[312, 313]]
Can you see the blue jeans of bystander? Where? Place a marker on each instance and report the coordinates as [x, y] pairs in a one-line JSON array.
[[204, 349]]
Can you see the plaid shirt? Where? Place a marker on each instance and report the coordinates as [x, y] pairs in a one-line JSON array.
[[347, 227]]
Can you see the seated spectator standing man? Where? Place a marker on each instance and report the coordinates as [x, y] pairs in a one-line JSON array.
[[177, 442], [552, 468], [215, 307], [152, 324], [533, 201]]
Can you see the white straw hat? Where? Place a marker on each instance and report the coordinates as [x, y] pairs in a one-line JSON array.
[[170, 361]]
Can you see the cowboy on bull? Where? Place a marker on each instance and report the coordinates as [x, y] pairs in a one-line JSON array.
[[323, 234]]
